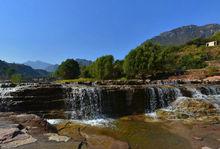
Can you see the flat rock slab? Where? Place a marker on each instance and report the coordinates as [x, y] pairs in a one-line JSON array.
[[8, 133], [19, 141], [15, 129]]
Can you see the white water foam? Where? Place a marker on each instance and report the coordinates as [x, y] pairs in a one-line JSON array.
[[95, 122], [152, 115]]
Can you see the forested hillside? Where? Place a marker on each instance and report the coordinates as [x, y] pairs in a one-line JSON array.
[[7, 70]]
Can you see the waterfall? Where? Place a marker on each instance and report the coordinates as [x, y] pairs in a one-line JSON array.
[[212, 94], [5, 92], [202, 91], [92, 102], [6, 97], [210, 90], [83, 103], [160, 97]]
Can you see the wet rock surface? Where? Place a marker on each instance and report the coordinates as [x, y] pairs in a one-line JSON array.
[[25, 131], [126, 133], [78, 132], [191, 109]]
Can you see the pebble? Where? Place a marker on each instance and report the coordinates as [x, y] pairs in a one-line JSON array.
[[205, 147], [198, 138]]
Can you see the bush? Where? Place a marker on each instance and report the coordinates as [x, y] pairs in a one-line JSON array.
[[212, 70], [192, 57], [16, 78]]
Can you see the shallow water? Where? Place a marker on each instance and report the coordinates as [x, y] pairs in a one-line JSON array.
[[149, 135], [138, 134]]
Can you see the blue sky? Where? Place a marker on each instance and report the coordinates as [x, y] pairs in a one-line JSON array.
[[53, 30]]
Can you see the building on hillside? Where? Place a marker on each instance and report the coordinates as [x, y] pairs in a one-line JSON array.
[[212, 44]]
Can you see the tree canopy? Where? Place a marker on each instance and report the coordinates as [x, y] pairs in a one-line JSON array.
[[102, 68], [148, 59], [69, 69]]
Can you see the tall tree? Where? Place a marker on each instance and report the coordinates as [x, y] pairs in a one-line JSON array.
[[69, 69], [148, 59], [102, 68]]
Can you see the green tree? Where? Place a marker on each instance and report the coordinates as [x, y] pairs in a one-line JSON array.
[[192, 57], [198, 42], [118, 69], [149, 59], [192, 62], [85, 72], [102, 68], [9, 72], [16, 78], [140, 61], [165, 59], [69, 69]]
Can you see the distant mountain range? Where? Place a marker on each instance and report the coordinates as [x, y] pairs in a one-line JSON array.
[[182, 35], [37, 64], [42, 65], [26, 71], [50, 67], [83, 62]]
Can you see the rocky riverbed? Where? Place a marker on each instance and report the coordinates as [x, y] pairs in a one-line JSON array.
[[25, 131], [162, 115]]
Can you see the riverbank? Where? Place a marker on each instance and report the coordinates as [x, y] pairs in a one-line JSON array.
[[171, 80]]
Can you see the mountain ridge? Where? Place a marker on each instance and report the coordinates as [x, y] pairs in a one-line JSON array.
[[7, 69], [53, 67], [37, 64], [184, 34]]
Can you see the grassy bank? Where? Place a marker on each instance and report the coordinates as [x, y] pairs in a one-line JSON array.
[[77, 80]]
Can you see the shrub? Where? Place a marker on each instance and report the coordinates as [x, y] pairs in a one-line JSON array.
[[16, 78], [212, 70]]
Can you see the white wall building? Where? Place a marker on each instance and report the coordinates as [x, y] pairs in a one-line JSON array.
[[212, 44]]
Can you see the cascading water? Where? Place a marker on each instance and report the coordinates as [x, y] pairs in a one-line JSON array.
[[160, 97], [84, 103], [92, 102], [210, 90], [6, 97], [211, 93]]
